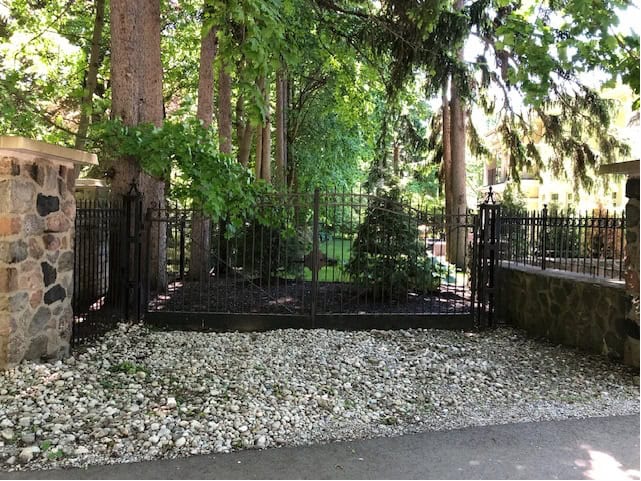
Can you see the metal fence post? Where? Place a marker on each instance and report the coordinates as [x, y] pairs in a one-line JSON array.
[[182, 247], [544, 225], [315, 254], [488, 257], [132, 262]]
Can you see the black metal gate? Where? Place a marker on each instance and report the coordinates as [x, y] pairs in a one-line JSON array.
[[323, 259], [107, 264], [98, 300]]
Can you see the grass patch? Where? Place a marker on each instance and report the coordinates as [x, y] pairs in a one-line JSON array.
[[128, 367], [56, 454]]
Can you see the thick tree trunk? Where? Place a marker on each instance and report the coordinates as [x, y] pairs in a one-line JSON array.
[[136, 83], [457, 241], [125, 87], [201, 224], [280, 160], [208, 46], [92, 76]]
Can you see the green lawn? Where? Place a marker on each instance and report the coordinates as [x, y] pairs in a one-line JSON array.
[[338, 249]]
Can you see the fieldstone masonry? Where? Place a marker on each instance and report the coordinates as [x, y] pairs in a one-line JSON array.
[[37, 212], [566, 308]]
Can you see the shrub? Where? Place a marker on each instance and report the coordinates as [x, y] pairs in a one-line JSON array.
[[387, 255]]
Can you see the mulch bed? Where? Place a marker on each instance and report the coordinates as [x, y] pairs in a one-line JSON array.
[[281, 296]]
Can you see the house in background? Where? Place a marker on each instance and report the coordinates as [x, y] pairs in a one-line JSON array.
[[539, 188]]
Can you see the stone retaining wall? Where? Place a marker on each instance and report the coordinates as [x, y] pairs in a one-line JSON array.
[[566, 308]]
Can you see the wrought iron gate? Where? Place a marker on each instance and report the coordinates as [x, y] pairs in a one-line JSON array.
[[107, 264], [323, 259]]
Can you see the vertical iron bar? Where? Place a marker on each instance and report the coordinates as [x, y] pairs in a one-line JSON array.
[[544, 222], [315, 254]]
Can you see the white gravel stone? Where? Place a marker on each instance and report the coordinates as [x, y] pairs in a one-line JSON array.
[[291, 387], [26, 454], [80, 451]]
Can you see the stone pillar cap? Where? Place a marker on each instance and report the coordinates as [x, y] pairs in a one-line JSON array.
[[46, 150], [87, 182]]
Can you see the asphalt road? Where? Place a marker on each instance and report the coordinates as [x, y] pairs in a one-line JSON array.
[[594, 448]]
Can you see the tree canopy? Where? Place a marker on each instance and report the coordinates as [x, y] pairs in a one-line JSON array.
[[357, 83]]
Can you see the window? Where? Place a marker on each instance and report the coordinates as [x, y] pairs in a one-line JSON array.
[[569, 197], [555, 197], [614, 195]]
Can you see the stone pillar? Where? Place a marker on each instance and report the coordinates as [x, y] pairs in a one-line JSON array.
[[631, 344], [37, 213]]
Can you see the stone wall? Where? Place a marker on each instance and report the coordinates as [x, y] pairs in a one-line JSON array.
[[566, 308], [37, 210]]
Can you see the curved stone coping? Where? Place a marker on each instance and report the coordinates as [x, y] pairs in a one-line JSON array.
[[575, 276], [38, 148]]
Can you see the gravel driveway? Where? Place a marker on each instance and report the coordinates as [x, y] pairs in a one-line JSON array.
[[140, 394]]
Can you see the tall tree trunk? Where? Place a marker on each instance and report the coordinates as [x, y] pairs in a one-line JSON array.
[[266, 157], [396, 159], [224, 145], [152, 109], [259, 137], [447, 147], [280, 160], [201, 224], [259, 152], [224, 110], [136, 89], [239, 120], [208, 46], [447, 162], [92, 76], [456, 249], [245, 144], [244, 132]]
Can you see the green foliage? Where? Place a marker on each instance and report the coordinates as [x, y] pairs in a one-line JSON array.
[[188, 152], [387, 256], [45, 445], [55, 454], [266, 250], [529, 69], [128, 367], [512, 200]]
